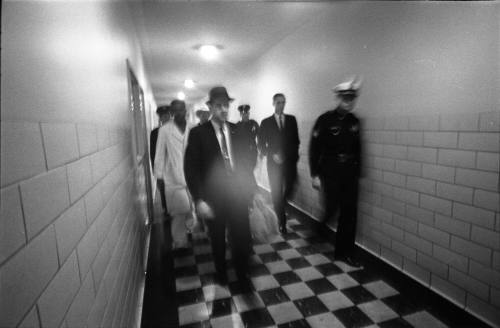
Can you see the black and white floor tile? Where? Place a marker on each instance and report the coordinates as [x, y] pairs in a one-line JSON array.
[[295, 283]]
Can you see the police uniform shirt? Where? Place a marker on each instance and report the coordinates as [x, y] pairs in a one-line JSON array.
[[335, 144], [250, 127]]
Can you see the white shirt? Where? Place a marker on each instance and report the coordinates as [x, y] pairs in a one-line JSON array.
[[281, 124], [227, 134]]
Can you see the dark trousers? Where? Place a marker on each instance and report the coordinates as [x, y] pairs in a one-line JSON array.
[[282, 182], [233, 216], [160, 184], [341, 193]]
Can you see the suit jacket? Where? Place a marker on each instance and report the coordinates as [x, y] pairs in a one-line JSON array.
[[153, 138], [286, 141], [206, 175]]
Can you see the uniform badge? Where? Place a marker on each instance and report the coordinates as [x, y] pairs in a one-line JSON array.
[[315, 133], [335, 130], [354, 128]]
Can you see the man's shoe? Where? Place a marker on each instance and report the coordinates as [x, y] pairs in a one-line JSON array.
[[352, 262], [283, 230]]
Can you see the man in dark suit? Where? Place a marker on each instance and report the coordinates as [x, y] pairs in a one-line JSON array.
[[220, 180], [163, 113], [279, 141]]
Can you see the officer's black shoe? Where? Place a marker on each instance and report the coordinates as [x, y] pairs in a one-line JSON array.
[[283, 229], [221, 279]]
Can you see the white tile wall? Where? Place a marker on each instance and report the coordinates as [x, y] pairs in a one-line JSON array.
[[25, 276], [470, 284], [53, 240], [44, 198], [457, 158], [61, 143], [459, 122], [70, 227], [87, 139], [490, 121], [12, 234], [31, 320], [58, 296], [22, 151], [453, 259], [471, 249], [451, 291], [438, 172], [80, 308], [478, 179], [474, 215], [441, 139], [488, 161], [79, 178], [479, 141]]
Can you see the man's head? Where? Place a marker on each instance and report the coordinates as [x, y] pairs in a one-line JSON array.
[[178, 109], [218, 103], [163, 113], [203, 115], [347, 93], [244, 112], [279, 102]]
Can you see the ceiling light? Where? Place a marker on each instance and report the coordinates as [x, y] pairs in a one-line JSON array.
[[181, 95], [209, 51], [189, 84]]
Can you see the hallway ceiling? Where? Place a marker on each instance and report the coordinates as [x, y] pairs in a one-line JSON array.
[[246, 30]]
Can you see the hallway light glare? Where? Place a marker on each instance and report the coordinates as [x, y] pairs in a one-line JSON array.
[[181, 95], [209, 51], [189, 84]]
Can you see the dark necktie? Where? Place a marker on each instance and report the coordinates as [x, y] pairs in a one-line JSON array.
[[225, 152]]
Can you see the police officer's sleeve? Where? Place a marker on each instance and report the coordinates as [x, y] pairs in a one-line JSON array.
[[315, 149], [357, 150]]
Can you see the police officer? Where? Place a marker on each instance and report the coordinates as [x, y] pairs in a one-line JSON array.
[[334, 160], [250, 129]]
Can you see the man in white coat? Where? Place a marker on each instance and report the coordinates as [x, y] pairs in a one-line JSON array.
[[169, 166]]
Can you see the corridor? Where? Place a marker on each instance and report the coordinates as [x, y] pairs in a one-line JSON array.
[[83, 242]]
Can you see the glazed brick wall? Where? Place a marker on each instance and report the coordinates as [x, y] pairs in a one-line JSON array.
[[71, 239], [429, 201]]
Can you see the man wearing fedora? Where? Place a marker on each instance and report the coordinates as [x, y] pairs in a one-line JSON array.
[[220, 180], [335, 161]]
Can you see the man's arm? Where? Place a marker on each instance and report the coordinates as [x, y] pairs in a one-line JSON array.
[[161, 153], [295, 137], [193, 164], [315, 149], [262, 138]]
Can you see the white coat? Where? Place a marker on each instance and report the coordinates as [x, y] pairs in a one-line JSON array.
[[169, 166]]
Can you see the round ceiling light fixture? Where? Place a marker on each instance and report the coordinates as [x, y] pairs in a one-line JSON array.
[[181, 95], [189, 83], [209, 52]]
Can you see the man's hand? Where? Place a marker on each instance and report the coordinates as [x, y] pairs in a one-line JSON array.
[[277, 158], [316, 183], [204, 211]]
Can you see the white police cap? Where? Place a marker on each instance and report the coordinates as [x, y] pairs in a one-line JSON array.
[[348, 88]]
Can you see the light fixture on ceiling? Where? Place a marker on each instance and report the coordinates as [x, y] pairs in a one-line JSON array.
[[181, 95], [209, 52], [189, 83]]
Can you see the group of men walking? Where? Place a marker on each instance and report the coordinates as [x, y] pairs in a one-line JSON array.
[[207, 171]]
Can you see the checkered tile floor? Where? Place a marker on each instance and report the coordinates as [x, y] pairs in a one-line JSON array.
[[296, 283]]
